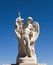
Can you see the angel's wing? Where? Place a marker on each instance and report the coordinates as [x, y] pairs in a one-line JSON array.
[[36, 31]]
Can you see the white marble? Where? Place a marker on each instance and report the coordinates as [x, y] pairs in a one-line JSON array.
[[26, 64], [26, 34]]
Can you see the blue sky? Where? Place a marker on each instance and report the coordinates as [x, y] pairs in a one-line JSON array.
[[41, 11]]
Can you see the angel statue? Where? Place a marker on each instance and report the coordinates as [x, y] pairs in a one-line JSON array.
[[26, 34]]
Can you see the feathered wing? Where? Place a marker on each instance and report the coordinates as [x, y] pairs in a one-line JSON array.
[[36, 30]]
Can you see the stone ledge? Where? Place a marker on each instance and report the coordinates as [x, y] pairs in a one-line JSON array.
[[26, 60], [25, 64]]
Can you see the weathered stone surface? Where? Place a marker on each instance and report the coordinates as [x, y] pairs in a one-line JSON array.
[[30, 64], [27, 60], [25, 64], [26, 34]]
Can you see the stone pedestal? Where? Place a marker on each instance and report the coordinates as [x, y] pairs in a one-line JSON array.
[[25, 64], [26, 60]]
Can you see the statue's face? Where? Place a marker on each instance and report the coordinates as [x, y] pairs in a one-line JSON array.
[[28, 21]]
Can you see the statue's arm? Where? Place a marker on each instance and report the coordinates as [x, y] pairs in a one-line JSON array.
[[17, 30]]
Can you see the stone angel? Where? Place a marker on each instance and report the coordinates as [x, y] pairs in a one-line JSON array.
[[26, 34]]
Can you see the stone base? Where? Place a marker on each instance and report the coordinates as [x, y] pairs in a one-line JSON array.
[[26, 60], [25, 64]]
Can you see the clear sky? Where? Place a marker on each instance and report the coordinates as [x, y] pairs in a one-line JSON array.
[[41, 11]]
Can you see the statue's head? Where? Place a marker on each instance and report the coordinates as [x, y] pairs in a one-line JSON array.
[[19, 19], [29, 20]]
